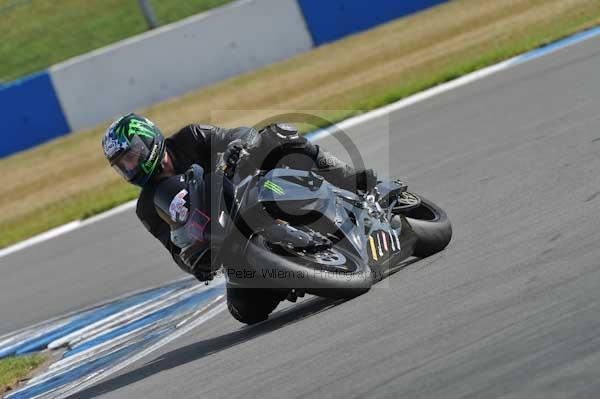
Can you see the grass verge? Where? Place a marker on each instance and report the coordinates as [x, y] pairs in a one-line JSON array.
[[14, 369], [38, 33], [68, 178]]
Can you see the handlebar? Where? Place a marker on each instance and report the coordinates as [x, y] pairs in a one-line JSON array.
[[229, 169]]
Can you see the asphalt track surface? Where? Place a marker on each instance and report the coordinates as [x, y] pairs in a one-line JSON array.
[[510, 309]]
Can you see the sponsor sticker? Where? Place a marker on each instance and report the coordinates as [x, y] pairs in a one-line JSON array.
[[393, 244], [112, 145], [372, 246], [395, 234], [177, 209], [197, 225], [384, 239]]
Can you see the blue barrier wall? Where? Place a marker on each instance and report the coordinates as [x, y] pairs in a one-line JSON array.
[[30, 114], [329, 20], [31, 111]]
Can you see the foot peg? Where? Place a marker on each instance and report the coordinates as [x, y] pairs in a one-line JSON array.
[[293, 295]]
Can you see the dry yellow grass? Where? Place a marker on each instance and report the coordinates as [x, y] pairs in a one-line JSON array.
[[68, 178]]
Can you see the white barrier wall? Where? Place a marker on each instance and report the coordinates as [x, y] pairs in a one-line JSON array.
[[170, 61]]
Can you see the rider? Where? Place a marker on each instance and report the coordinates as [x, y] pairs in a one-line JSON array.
[[137, 150]]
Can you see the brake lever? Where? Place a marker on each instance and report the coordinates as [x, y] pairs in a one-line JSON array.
[[244, 154], [227, 169], [222, 166]]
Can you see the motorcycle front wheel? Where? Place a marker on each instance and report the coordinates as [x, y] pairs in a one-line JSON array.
[[431, 226], [335, 273]]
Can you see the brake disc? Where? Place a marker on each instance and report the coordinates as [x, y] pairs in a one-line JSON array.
[[326, 257]]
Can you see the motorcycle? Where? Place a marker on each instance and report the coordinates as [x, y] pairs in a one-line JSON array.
[[283, 233]]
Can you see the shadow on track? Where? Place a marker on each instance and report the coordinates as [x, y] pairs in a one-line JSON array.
[[207, 347]]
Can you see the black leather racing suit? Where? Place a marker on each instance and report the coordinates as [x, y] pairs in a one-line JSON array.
[[199, 144]]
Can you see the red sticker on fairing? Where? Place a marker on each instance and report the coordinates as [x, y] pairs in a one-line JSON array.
[[197, 225]]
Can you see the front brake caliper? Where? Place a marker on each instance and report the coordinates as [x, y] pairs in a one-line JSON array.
[[283, 234]]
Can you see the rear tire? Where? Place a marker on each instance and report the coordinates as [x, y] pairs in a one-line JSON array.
[[431, 226], [252, 305]]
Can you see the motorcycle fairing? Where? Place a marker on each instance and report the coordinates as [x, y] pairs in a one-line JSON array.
[[305, 196]]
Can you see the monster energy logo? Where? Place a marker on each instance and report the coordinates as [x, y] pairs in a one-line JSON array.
[[149, 165], [141, 128], [269, 185]]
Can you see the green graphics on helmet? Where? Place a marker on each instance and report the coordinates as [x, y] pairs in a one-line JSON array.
[[134, 147], [141, 127]]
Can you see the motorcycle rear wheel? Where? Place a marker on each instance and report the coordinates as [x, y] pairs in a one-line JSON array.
[[252, 305]]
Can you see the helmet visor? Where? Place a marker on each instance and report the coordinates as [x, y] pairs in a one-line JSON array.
[[130, 164]]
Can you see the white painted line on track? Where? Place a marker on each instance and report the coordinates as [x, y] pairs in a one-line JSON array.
[[208, 311], [65, 228], [417, 98], [127, 319], [183, 330], [346, 124], [127, 315], [114, 344], [9, 344], [104, 215], [64, 365], [40, 238]]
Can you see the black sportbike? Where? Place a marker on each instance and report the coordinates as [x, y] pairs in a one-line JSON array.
[[281, 233]]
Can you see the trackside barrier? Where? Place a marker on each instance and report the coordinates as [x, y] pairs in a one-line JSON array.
[[177, 58], [329, 20], [30, 114]]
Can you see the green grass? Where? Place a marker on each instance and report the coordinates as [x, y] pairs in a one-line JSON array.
[[397, 60], [173, 10], [38, 33], [13, 369]]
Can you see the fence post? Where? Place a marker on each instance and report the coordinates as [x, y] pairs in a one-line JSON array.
[[148, 14]]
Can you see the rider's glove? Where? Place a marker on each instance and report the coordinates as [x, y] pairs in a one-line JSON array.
[[232, 153], [367, 180]]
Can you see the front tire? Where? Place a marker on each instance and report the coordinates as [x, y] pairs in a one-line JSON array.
[[431, 226]]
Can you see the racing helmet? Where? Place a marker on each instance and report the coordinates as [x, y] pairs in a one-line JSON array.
[[134, 146]]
